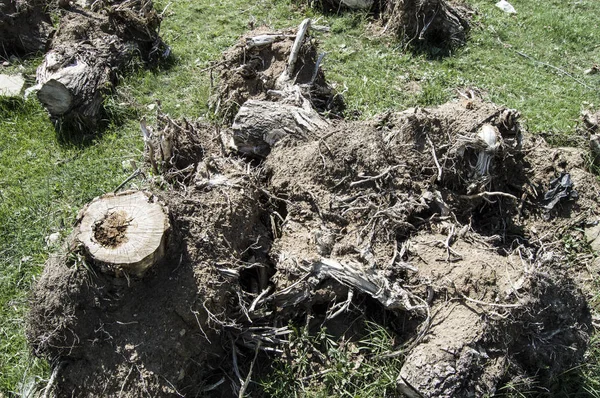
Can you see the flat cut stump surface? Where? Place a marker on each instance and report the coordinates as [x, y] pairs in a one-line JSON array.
[[126, 231]]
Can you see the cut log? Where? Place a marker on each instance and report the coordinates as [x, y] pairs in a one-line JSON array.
[[261, 124], [25, 26], [86, 54], [125, 232]]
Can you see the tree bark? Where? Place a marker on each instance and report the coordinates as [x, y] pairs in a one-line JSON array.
[[87, 52], [261, 124], [124, 233]]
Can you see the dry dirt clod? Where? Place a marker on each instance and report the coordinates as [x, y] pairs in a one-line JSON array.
[[25, 26], [125, 232]]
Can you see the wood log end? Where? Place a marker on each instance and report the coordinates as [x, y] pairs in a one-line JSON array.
[[125, 232], [56, 97]]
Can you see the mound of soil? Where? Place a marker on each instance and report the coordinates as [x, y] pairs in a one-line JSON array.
[[25, 26], [393, 210], [160, 335], [250, 69], [450, 220]]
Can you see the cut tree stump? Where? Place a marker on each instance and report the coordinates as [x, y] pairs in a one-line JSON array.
[[87, 52], [25, 26], [125, 232]]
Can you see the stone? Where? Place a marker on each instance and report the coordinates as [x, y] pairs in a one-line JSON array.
[[11, 85]]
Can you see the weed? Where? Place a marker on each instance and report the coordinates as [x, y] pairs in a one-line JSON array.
[[321, 366]]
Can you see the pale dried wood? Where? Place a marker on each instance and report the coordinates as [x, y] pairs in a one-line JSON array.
[[259, 125], [145, 237]]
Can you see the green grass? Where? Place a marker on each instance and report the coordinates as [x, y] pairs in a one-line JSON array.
[[348, 368], [44, 181]]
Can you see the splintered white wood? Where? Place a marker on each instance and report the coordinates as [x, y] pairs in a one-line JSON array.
[[144, 243]]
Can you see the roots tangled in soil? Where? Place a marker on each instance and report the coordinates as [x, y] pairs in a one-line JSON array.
[[250, 69], [162, 335], [438, 217], [438, 23], [432, 24], [361, 209]]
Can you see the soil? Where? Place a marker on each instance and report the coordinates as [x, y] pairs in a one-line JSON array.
[[160, 335], [25, 26], [111, 231], [473, 271]]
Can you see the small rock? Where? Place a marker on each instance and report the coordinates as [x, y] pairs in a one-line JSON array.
[[592, 234], [151, 107], [52, 239], [5, 63], [11, 85], [506, 7]]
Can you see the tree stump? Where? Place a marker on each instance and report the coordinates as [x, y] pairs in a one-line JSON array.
[[438, 23], [125, 232], [86, 53]]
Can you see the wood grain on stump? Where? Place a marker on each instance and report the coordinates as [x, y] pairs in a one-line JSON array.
[[124, 232]]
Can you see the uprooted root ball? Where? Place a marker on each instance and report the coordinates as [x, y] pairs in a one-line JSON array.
[[250, 69], [438, 23], [433, 217]]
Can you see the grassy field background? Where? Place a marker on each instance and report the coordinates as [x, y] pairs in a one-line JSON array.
[[45, 178]]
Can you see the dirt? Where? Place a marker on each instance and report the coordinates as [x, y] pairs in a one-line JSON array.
[[462, 262], [111, 231], [160, 335], [25, 26], [459, 246]]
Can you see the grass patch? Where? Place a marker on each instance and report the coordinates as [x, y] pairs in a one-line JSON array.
[[44, 181], [349, 368]]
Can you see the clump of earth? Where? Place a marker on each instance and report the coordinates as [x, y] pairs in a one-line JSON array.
[[451, 218]]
